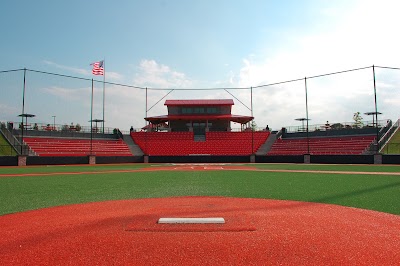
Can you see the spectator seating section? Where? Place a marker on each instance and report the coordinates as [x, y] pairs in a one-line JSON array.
[[322, 145], [182, 143], [77, 147]]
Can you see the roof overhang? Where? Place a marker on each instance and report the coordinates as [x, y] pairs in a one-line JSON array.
[[210, 102], [233, 118]]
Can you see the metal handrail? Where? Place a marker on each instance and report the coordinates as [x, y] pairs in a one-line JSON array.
[[388, 135], [14, 142], [335, 126], [62, 128]]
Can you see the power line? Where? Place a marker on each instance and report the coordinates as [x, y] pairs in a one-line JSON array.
[[395, 68], [87, 79], [196, 89], [199, 89], [339, 72], [316, 76], [12, 70], [277, 83], [238, 99], [59, 75]]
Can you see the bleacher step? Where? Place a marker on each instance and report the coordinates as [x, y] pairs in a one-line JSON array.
[[199, 138], [135, 149]]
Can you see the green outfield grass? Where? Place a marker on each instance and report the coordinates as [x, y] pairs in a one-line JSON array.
[[375, 192], [70, 168], [331, 167]]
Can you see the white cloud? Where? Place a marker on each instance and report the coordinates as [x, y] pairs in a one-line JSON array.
[[155, 75], [8, 113], [361, 37], [124, 106], [67, 93], [114, 76], [68, 68], [363, 34]]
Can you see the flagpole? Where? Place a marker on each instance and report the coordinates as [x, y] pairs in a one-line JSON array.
[[104, 89]]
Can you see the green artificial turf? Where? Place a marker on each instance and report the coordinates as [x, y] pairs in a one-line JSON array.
[[70, 168], [375, 192], [5, 148], [393, 146], [330, 167]]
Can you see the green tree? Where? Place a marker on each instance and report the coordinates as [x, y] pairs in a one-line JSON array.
[[253, 125], [358, 123]]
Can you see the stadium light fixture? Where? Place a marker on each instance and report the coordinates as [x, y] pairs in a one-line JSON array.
[[54, 122]]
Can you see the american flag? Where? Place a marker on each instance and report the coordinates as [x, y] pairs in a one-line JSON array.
[[98, 68]]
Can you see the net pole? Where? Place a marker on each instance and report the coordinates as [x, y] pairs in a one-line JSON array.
[[252, 129], [308, 139], [23, 112], [147, 130], [376, 112]]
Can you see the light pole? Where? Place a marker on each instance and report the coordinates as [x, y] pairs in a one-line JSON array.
[[54, 122]]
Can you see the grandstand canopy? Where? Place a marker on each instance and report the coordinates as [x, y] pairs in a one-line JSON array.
[[210, 114], [210, 102], [229, 117]]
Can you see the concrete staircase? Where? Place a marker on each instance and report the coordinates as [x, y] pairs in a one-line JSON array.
[[15, 142], [135, 149], [199, 138], [267, 145]]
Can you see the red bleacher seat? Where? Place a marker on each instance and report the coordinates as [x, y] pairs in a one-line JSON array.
[[182, 143], [77, 147], [322, 145]]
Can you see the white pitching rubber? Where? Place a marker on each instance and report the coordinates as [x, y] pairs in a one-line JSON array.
[[191, 220]]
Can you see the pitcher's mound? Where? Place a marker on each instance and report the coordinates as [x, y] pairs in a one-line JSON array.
[[255, 232]]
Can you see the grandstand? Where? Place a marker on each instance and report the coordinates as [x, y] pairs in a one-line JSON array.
[[199, 127], [197, 130], [200, 131]]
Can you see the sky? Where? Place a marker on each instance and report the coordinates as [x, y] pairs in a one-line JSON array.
[[200, 44]]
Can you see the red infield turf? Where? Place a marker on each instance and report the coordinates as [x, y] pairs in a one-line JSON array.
[[256, 232]]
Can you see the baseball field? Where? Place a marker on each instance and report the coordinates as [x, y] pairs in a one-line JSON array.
[[274, 213]]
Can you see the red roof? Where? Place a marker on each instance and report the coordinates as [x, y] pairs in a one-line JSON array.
[[234, 118], [199, 102]]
